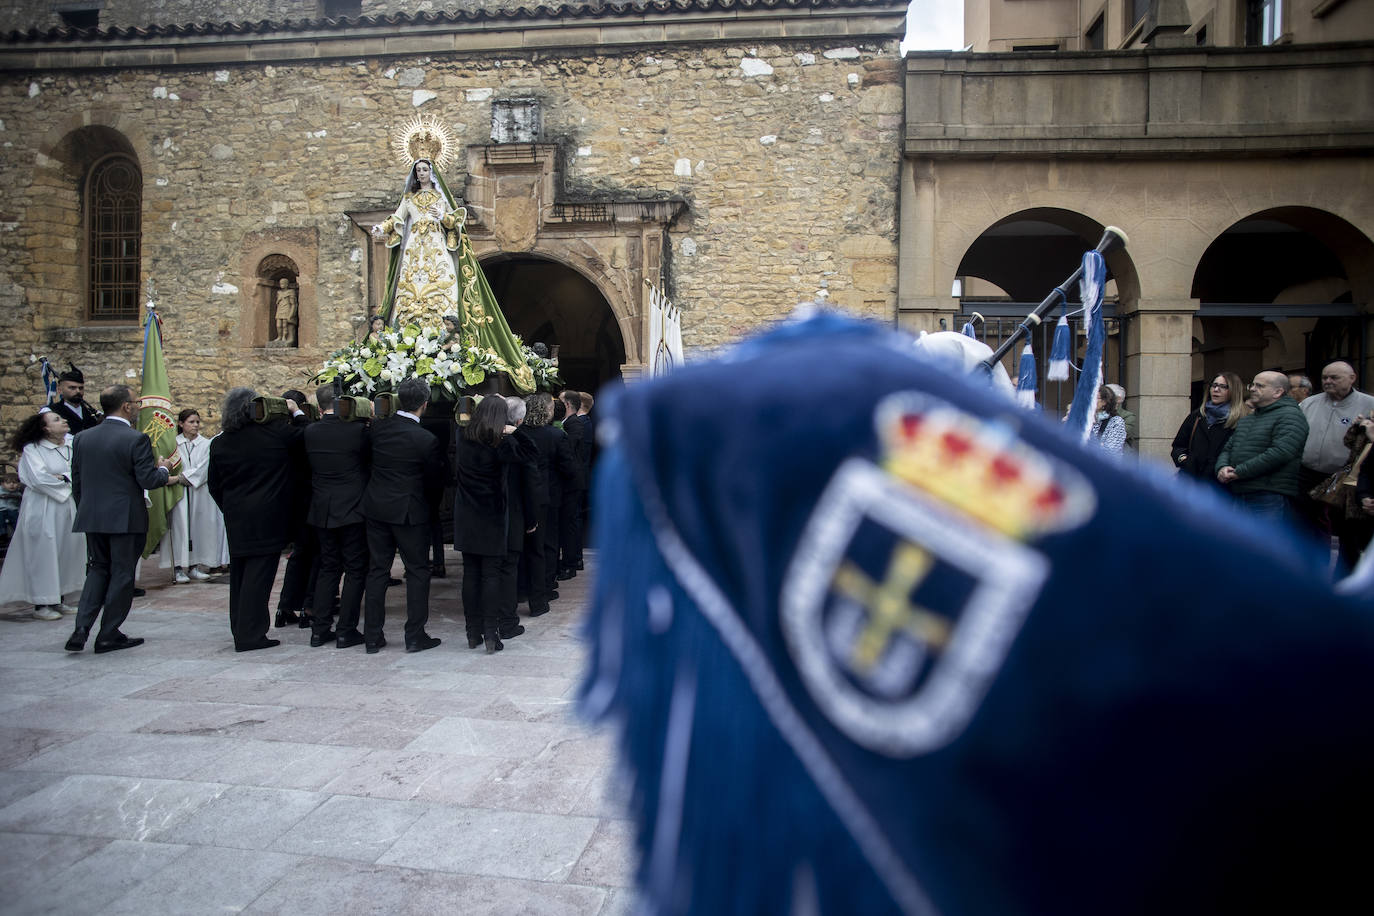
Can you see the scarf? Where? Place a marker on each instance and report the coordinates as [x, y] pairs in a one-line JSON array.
[[1216, 413]]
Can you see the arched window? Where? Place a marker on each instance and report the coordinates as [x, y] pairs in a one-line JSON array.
[[114, 221]]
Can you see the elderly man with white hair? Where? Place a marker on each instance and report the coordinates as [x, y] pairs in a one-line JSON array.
[[1330, 415]]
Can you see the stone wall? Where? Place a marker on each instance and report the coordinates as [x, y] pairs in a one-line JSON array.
[[787, 154]]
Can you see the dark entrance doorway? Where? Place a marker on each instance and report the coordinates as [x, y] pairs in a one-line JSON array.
[[546, 301]]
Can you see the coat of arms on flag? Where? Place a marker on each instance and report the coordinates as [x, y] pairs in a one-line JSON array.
[[913, 576]]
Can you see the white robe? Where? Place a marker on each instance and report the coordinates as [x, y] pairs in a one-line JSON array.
[[46, 559], [196, 526]]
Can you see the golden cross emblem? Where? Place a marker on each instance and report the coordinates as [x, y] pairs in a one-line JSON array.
[[889, 605]]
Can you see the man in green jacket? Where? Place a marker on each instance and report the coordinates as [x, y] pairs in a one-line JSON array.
[[1261, 460]]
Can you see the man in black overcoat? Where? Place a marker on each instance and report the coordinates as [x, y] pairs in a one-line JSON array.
[[297, 597], [570, 512], [71, 406], [112, 464], [253, 466], [339, 454], [558, 470], [407, 466]]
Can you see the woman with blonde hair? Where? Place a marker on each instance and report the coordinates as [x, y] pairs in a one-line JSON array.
[[1204, 432]]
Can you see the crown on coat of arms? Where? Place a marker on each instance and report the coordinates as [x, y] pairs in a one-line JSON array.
[[980, 468]]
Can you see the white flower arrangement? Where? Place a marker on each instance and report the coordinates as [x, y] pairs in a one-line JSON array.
[[380, 364]]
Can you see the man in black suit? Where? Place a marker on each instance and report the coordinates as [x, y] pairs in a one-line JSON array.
[[295, 602], [339, 453], [71, 406], [112, 464], [407, 466], [570, 513]]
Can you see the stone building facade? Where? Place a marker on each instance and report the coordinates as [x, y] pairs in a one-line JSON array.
[[741, 158]]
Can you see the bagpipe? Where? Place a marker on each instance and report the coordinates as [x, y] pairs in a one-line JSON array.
[[926, 653]]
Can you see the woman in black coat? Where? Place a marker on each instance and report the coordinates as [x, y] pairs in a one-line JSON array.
[[480, 516], [253, 467], [1205, 431]]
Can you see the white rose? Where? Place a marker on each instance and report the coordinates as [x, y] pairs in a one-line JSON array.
[[409, 341], [365, 352]]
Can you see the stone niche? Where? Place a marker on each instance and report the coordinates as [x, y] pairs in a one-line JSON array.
[[267, 257]]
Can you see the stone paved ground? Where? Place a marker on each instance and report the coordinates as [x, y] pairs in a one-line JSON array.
[[181, 777]]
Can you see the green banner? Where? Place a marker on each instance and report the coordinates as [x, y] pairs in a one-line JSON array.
[[158, 422]]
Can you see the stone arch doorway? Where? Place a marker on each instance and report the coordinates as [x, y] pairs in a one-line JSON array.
[[1288, 288], [547, 301], [1015, 263]]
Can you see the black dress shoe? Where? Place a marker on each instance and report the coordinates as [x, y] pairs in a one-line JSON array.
[[374, 647], [553, 596], [511, 632], [319, 639], [422, 642], [306, 621], [348, 638], [263, 643], [139, 593], [493, 644], [285, 617], [438, 572], [392, 581], [115, 643], [77, 642], [578, 567], [475, 641], [565, 574], [539, 611]]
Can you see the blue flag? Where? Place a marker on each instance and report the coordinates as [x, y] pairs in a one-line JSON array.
[[921, 651]]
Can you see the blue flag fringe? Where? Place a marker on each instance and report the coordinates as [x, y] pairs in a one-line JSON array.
[[1025, 378], [650, 643], [1060, 349], [1084, 411]]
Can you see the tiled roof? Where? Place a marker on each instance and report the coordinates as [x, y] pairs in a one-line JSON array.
[[592, 9]]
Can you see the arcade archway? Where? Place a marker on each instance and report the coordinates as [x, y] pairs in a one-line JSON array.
[[1287, 289], [545, 301]]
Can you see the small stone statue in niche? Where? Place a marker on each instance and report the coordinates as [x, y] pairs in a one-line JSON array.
[[287, 312]]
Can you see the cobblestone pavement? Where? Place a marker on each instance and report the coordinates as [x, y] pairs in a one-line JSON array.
[[181, 777]]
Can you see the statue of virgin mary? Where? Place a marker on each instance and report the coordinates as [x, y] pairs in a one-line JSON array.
[[432, 272]]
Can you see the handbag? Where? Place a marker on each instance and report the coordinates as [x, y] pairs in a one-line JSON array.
[[1338, 490]]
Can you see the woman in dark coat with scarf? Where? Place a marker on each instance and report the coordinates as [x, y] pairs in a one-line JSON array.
[[1205, 431], [253, 469], [481, 532]]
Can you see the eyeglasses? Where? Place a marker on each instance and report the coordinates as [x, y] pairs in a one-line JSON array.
[[1220, 385]]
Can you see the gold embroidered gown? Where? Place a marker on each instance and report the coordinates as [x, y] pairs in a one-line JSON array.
[[434, 273]]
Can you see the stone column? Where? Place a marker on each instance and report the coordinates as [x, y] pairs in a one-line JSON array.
[[920, 302], [1159, 347]]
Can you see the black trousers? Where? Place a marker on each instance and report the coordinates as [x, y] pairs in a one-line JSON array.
[[250, 587], [383, 540], [111, 560], [343, 553], [535, 579], [482, 578], [510, 617], [550, 547], [570, 530], [302, 572]]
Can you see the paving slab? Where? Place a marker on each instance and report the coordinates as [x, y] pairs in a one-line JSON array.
[[182, 777]]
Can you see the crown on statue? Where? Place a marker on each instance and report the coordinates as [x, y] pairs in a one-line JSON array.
[[980, 468], [423, 137]]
